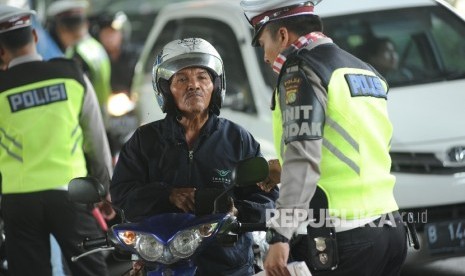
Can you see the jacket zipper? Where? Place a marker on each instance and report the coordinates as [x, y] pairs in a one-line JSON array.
[[191, 156], [191, 159]]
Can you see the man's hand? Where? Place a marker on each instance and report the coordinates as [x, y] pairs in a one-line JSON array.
[[183, 198], [232, 209], [274, 176], [276, 260], [137, 269], [106, 209]]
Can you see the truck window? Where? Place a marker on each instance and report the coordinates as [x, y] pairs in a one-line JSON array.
[[238, 91], [429, 42]]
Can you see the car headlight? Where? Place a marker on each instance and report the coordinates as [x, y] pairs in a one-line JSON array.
[[149, 247], [186, 242], [457, 154]]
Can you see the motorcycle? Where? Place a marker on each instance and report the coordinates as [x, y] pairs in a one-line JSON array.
[[167, 243]]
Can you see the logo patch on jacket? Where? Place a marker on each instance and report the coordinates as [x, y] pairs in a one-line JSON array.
[[291, 88], [37, 97], [222, 176]]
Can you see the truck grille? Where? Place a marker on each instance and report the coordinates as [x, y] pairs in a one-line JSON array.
[[420, 163]]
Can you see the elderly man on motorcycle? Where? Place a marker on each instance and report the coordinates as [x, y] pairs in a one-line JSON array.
[[167, 163]]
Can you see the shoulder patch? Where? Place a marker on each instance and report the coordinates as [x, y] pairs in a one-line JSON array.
[[365, 86], [302, 114], [291, 88]]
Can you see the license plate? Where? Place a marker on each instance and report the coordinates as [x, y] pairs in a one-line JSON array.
[[446, 237]]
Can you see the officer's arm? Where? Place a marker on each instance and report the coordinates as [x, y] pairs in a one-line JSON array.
[[96, 146], [303, 138]]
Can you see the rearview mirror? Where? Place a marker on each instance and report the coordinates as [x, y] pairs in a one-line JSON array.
[[247, 173], [85, 190], [250, 171]]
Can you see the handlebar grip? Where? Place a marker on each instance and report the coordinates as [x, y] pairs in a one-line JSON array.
[[88, 244], [251, 227]]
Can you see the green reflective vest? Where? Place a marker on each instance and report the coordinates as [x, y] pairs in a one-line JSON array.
[[355, 165], [40, 136], [97, 62]]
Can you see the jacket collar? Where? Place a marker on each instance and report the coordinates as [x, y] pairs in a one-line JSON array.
[[172, 129], [308, 41]]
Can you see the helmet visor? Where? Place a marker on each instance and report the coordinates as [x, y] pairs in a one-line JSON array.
[[175, 64]]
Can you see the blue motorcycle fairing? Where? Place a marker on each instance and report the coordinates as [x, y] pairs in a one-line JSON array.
[[174, 271]]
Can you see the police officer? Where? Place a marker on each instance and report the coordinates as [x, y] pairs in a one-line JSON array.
[[69, 27], [332, 133], [51, 131], [113, 32]]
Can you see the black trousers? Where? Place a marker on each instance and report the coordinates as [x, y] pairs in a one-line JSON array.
[[30, 218], [376, 249]]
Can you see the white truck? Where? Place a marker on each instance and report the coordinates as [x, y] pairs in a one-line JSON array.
[[427, 111]]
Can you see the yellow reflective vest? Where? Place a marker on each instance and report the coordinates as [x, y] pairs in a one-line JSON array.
[[355, 164], [40, 136], [97, 63]]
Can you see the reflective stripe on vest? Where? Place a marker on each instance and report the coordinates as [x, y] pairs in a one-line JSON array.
[[355, 165], [40, 136]]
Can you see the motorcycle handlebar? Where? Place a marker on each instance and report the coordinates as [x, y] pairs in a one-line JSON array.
[[88, 244], [250, 227]]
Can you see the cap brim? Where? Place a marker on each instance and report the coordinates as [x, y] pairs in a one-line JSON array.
[[9, 17], [59, 7]]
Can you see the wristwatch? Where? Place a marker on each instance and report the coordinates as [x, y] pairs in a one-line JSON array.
[[273, 237]]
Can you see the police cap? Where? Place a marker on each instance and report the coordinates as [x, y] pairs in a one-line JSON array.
[[64, 8], [12, 18], [261, 12]]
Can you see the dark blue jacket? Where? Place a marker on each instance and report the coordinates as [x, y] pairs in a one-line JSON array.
[[157, 159]]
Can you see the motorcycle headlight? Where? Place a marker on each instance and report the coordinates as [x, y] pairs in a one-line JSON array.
[[186, 242], [149, 247], [119, 104]]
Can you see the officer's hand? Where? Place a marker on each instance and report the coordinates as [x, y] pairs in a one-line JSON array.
[[274, 176], [183, 198], [276, 260]]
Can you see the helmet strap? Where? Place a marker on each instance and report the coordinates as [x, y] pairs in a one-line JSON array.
[[168, 101], [216, 99], [178, 114]]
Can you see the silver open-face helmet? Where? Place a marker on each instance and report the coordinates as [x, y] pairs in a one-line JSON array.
[[184, 53]]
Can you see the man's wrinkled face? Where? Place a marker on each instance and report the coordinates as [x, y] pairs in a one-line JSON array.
[[272, 45], [192, 90]]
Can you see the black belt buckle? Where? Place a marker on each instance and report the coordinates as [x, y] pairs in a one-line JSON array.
[[323, 248]]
